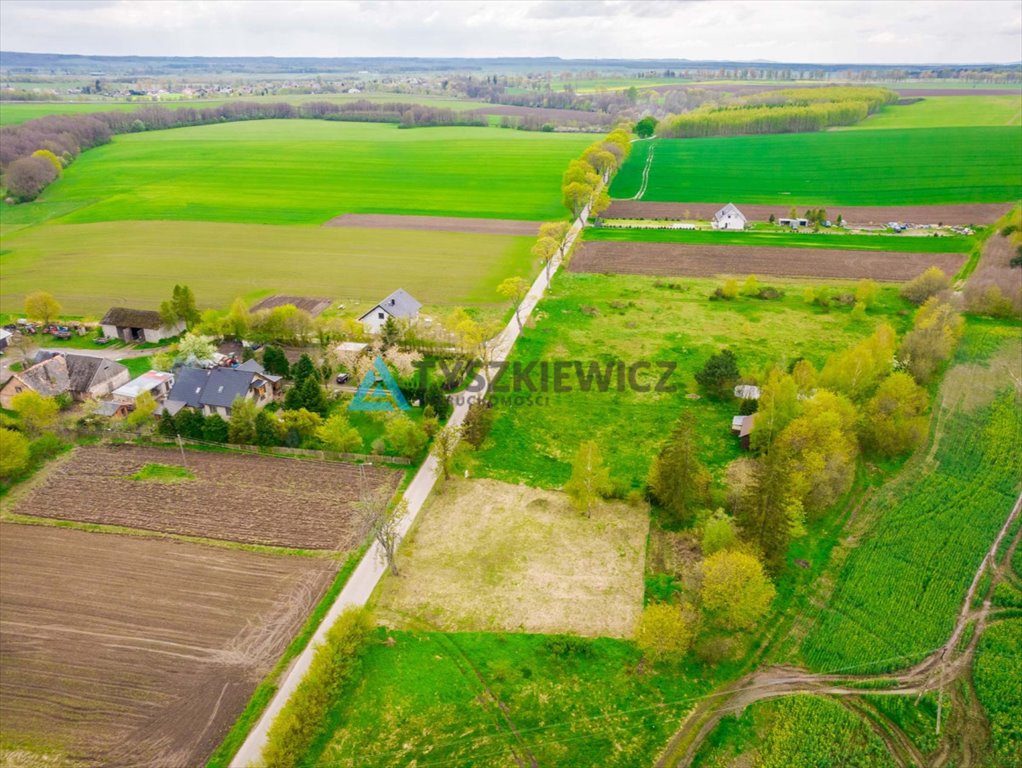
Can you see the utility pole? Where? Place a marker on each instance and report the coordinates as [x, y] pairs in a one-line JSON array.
[[940, 696]]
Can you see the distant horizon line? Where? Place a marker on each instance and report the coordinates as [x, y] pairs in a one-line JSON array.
[[657, 61]]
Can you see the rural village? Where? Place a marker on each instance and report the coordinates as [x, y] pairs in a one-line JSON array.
[[409, 412]]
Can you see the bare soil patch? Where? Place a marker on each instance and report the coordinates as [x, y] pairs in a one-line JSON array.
[[436, 224], [963, 214], [234, 497], [490, 556], [121, 651], [311, 304], [672, 259]]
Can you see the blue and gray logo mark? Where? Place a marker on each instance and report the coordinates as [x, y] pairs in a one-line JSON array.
[[378, 391]]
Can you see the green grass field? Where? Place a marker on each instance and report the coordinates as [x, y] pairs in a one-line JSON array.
[[824, 239], [609, 318], [308, 171], [894, 167], [422, 701], [897, 595], [946, 112], [90, 267]]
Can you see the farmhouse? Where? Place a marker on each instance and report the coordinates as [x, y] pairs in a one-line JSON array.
[[133, 325], [742, 426], [728, 217], [214, 391], [400, 305], [49, 378], [156, 383]]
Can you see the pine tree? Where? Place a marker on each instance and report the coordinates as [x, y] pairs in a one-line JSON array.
[[678, 479]]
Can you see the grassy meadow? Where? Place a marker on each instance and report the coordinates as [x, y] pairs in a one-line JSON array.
[[427, 698], [308, 171], [893, 167], [588, 317], [823, 239], [90, 267]]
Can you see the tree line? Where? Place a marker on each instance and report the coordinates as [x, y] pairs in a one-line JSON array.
[[789, 111], [584, 182]]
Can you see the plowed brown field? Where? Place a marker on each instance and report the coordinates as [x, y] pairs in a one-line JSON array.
[[121, 651], [251, 499], [672, 259]]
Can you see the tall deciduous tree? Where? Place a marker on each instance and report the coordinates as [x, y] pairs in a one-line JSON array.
[[665, 632], [14, 453], [445, 444], [735, 592], [381, 523], [514, 289], [241, 429], [590, 479], [857, 371], [42, 306], [37, 412], [778, 405], [337, 434], [677, 478], [180, 308], [894, 422]]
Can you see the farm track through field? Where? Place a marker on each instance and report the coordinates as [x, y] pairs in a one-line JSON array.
[[645, 173], [244, 498], [678, 259], [936, 672]]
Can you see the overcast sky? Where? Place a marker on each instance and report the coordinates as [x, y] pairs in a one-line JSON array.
[[827, 31]]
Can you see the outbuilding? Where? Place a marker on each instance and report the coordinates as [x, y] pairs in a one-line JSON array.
[[138, 325]]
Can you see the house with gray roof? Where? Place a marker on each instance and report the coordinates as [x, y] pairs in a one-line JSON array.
[[138, 325], [400, 305], [728, 217], [49, 378], [215, 390]]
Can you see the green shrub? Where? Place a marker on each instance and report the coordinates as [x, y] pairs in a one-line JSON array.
[[336, 664]]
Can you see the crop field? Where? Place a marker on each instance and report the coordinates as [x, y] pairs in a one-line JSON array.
[[437, 224], [968, 214], [690, 260], [125, 651], [605, 319], [997, 669], [506, 699], [308, 171], [523, 560], [897, 595], [795, 731], [895, 167], [946, 112], [91, 267], [250, 499], [824, 240]]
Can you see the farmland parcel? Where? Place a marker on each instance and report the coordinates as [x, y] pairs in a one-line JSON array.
[[121, 651]]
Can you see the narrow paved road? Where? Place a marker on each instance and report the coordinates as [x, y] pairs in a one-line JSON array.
[[367, 574]]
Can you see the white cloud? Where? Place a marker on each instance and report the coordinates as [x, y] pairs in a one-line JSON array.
[[835, 31]]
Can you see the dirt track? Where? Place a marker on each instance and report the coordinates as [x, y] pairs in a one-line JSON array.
[[139, 652], [234, 497], [964, 214], [939, 670], [673, 259], [436, 224]]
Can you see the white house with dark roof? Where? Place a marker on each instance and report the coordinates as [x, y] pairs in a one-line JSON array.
[[400, 305], [728, 217], [215, 390], [142, 325]]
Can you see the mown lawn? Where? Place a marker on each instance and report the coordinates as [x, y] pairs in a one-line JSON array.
[[308, 171], [826, 239], [428, 698], [606, 319], [91, 267], [895, 167]]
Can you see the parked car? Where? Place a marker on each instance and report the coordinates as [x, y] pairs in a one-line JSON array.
[[342, 378], [62, 334]]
